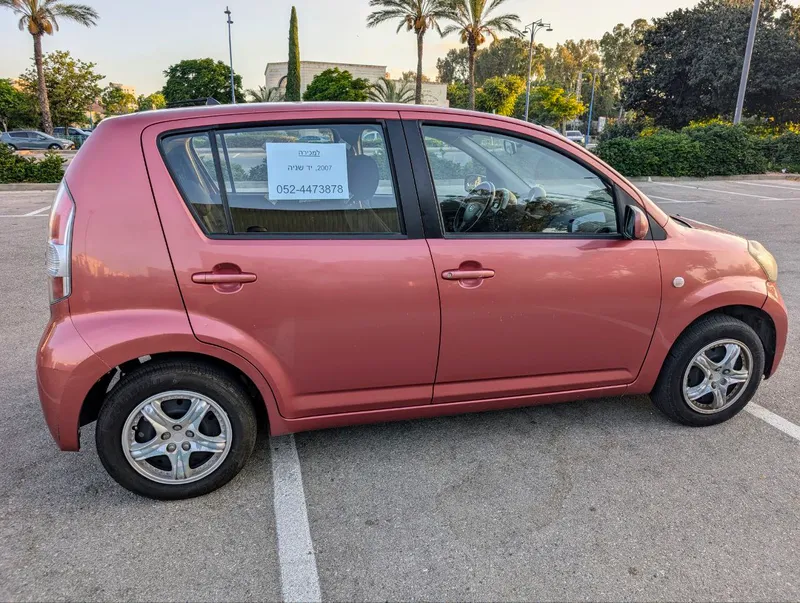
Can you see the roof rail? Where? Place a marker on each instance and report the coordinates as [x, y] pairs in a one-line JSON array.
[[194, 102]]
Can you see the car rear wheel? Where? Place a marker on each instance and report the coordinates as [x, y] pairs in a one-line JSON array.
[[175, 429], [12, 147], [711, 373], [55, 146]]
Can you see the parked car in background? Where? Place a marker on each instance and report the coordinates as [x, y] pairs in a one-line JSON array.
[[72, 133], [475, 263], [31, 140], [576, 136]]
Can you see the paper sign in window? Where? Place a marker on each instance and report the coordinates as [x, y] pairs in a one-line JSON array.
[[306, 171]]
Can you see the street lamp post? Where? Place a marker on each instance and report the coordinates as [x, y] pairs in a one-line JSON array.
[[591, 108], [748, 55], [230, 51], [534, 27]]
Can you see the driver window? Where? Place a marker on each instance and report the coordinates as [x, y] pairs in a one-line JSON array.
[[491, 183]]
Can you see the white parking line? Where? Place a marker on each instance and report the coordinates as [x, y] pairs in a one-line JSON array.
[[776, 421], [24, 216], [714, 190], [788, 188], [668, 200], [36, 212], [298, 564]]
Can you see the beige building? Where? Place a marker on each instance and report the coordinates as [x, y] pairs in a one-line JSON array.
[[126, 89], [275, 77]]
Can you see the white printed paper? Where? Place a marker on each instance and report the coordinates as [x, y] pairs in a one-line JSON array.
[[303, 171]]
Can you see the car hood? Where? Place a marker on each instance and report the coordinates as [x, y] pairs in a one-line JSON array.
[[703, 226]]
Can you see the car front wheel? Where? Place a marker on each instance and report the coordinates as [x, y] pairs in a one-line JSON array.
[[175, 429], [54, 147], [711, 373]]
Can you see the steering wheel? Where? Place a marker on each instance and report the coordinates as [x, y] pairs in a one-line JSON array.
[[474, 206]]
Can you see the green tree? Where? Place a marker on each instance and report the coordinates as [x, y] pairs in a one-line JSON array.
[[116, 101], [151, 102], [550, 106], [411, 76], [293, 73], [391, 91], [16, 109], [567, 61], [458, 95], [72, 86], [265, 95], [473, 22], [418, 16], [201, 78], [692, 59], [619, 49], [454, 66], [336, 85], [499, 94], [41, 17], [503, 57]]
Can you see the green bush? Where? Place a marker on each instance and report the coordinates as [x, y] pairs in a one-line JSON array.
[[709, 149], [15, 168]]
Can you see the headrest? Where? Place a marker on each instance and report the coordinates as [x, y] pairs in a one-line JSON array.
[[363, 176]]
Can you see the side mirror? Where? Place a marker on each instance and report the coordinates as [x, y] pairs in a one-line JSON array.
[[636, 225], [472, 181], [510, 147]]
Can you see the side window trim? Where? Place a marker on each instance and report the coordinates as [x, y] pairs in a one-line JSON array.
[[429, 201], [405, 206]]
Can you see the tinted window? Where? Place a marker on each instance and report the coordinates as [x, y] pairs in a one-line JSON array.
[[306, 180], [18, 134], [491, 183]]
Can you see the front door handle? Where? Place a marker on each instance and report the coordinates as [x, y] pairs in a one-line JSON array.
[[466, 275], [223, 278]]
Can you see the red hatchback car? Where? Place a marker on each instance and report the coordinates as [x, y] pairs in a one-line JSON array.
[[350, 263]]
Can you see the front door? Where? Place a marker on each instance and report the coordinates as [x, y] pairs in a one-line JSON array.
[[298, 244], [539, 291]]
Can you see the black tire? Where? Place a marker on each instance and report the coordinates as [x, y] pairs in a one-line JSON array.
[[55, 146], [152, 378], [668, 393]]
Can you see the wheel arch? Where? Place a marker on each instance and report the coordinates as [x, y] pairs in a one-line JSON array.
[[90, 407]]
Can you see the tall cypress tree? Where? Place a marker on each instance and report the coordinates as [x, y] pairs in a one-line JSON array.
[[293, 75]]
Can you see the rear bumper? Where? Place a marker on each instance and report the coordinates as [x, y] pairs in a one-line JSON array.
[[66, 369], [775, 307]]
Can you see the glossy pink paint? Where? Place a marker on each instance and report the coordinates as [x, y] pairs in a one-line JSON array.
[[335, 332]]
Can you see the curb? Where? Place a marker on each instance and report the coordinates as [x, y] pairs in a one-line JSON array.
[[29, 186], [795, 177]]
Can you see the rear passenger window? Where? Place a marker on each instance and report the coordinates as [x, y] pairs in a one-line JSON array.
[[332, 179]]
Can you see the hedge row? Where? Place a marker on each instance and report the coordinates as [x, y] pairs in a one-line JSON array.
[[15, 168], [706, 150]]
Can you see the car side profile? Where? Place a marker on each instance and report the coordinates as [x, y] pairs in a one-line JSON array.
[[329, 264], [31, 140]]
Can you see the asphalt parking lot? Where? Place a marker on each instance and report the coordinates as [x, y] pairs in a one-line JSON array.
[[600, 500]]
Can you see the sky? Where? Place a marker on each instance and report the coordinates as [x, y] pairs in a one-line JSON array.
[[134, 42]]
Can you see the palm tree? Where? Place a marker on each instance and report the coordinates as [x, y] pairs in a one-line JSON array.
[[265, 95], [390, 91], [473, 22], [41, 17], [415, 15]]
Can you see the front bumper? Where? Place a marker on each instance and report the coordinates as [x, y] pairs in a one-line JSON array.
[[775, 307], [66, 369]]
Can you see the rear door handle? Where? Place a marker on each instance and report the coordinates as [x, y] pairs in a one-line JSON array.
[[464, 275], [223, 278]]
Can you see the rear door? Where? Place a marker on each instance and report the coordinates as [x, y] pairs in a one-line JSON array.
[[540, 293], [306, 258]]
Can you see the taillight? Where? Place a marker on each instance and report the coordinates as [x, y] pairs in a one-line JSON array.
[[59, 245]]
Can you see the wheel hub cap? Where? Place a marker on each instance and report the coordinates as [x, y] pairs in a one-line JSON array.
[[717, 376]]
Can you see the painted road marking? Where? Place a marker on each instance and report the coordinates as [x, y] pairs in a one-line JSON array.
[[776, 421], [25, 216], [36, 212], [788, 188], [298, 564], [716, 190], [668, 200]]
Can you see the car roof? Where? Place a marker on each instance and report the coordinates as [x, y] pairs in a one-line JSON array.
[[147, 118]]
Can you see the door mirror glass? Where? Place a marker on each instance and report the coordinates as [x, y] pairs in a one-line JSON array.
[[510, 147], [636, 226]]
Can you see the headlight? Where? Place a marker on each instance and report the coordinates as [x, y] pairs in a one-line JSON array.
[[764, 258]]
